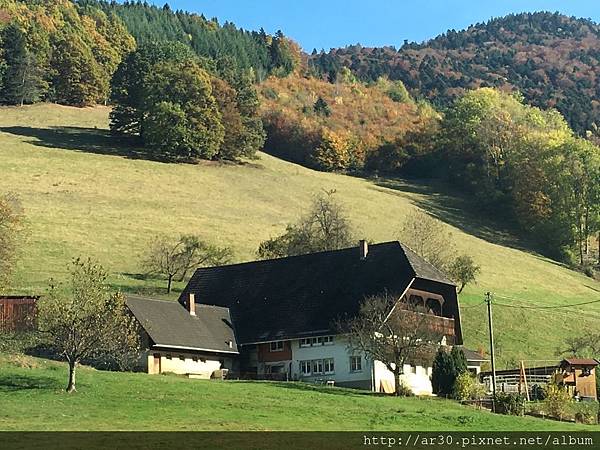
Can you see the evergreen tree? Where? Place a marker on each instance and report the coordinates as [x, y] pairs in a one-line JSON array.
[[22, 80]]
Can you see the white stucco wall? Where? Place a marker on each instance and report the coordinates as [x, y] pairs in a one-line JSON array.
[[183, 363], [419, 383], [341, 356]]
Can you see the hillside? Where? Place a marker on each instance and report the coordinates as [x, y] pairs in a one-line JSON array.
[[119, 401], [341, 126], [553, 60], [85, 195]]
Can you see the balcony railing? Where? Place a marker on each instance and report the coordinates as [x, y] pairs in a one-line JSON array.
[[437, 324]]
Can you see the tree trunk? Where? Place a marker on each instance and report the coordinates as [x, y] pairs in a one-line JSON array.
[[169, 284], [72, 370], [397, 384]]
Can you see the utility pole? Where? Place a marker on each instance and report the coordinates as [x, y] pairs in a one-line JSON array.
[[488, 300]]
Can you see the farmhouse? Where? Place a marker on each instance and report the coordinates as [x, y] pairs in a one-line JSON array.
[[274, 318]]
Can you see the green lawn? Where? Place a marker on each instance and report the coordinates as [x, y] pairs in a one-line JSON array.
[[33, 398], [85, 194]]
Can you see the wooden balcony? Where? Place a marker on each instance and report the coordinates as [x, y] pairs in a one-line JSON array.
[[437, 324]]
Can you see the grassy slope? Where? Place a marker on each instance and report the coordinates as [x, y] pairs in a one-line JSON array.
[[33, 389], [83, 195]]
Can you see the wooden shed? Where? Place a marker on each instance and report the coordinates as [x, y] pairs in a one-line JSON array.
[[579, 375], [18, 313]]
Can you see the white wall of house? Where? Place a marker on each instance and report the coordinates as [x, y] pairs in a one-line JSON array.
[[337, 351], [416, 378], [202, 366], [322, 352]]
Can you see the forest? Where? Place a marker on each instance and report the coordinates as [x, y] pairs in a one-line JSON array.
[[505, 110]]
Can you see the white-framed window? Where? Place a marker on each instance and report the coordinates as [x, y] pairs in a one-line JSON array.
[[355, 363], [328, 340], [305, 367], [276, 346], [413, 369], [328, 366], [305, 342], [317, 366]]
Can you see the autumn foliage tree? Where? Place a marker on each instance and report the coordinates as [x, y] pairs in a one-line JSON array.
[[182, 118], [11, 227]]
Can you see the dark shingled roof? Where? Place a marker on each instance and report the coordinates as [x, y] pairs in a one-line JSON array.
[[169, 324], [302, 295], [423, 269], [473, 355], [580, 362]]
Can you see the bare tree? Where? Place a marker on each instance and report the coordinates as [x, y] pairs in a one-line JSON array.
[[324, 227], [392, 331], [428, 238], [175, 259], [587, 344], [85, 320], [11, 226]]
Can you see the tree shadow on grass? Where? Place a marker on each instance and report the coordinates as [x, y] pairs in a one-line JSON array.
[[88, 140], [13, 383], [456, 209]]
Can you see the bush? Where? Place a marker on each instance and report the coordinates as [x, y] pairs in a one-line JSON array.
[[466, 387], [557, 400], [404, 390], [586, 412], [510, 404], [538, 392]]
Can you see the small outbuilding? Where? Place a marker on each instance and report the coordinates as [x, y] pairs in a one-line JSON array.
[[197, 341], [579, 376], [18, 313]]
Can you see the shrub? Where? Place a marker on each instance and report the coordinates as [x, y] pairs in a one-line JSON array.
[[557, 400], [538, 392], [404, 390], [586, 412], [466, 387], [510, 403]]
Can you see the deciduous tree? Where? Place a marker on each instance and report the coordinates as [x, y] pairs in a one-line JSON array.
[[463, 270], [11, 227], [174, 259], [324, 227], [84, 319], [392, 331]]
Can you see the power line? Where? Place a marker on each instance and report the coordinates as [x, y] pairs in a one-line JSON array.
[[543, 307]]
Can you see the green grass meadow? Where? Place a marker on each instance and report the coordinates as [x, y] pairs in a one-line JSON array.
[[32, 397], [85, 193]]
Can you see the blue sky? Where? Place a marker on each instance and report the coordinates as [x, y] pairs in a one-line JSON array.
[[334, 23]]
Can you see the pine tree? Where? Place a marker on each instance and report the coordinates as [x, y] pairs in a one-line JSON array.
[[22, 78]]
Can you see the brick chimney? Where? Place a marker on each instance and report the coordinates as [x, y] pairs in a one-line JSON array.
[[191, 304], [363, 246]]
